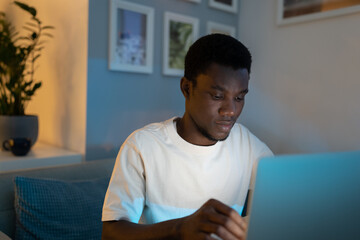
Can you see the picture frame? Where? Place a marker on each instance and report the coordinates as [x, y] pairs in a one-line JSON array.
[[214, 27], [225, 5], [180, 31], [295, 11], [131, 37]]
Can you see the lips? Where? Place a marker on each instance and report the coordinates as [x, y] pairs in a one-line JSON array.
[[225, 126]]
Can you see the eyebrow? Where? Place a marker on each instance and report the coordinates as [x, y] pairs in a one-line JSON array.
[[245, 91], [216, 87]]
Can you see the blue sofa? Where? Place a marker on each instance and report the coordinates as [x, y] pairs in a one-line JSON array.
[[49, 191]]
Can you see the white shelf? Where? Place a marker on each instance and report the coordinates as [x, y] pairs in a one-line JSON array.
[[41, 155]]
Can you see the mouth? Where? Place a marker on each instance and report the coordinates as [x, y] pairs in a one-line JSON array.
[[225, 126]]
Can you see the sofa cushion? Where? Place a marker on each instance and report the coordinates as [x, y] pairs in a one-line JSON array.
[[58, 209]]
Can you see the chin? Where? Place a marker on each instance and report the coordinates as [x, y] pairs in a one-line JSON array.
[[221, 136], [218, 138], [223, 139]]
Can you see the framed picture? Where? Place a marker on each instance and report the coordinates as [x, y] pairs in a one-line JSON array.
[[213, 27], [131, 37], [294, 11], [180, 32], [225, 5]]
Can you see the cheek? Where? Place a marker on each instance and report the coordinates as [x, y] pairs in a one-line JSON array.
[[212, 108], [206, 107], [240, 108]]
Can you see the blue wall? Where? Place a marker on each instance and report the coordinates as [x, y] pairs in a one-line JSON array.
[[119, 102]]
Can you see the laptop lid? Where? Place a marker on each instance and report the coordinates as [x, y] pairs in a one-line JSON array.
[[315, 196]]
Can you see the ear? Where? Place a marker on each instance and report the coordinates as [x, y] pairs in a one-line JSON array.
[[185, 87]]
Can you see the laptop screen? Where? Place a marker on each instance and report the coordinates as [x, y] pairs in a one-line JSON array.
[[313, 196]]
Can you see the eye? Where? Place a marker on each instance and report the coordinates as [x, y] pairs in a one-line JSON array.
[[217, 97], [239, 99]]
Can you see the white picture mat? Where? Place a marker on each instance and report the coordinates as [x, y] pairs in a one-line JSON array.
[[114, 6], [168, 17]]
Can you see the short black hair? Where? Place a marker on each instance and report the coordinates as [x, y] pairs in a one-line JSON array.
[[215, 48]]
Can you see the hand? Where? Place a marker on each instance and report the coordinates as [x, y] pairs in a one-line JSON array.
[[214, 217]]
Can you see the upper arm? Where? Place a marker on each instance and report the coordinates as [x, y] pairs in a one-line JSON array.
[[125, 196]]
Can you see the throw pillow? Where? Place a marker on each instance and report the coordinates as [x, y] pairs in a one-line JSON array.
[[56, 209]]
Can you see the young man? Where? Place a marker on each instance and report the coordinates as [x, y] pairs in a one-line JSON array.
[[188, 177]]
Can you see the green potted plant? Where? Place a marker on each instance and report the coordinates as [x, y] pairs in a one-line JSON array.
[[18, 56]]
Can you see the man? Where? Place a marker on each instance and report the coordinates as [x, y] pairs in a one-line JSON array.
[[187, 178]]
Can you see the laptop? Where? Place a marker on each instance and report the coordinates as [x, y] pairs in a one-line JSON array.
[[311, 196]]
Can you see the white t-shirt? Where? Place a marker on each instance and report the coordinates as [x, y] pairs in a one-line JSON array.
[[159, 176]]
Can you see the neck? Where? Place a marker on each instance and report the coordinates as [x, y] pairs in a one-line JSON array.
[[190, 134]]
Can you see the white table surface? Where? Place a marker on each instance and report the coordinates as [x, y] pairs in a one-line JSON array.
[[41, 155]]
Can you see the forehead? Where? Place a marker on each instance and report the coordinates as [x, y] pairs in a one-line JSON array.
[[224, 77]]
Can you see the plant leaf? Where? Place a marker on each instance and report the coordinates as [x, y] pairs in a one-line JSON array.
[[47, 27], [26, 7], [29, 92], [34, 35], [26, 84], [29, 29], [36, 20], [22, 38], [36, 57], [32, 24], [36, 86], [14, 34], [48, 35]]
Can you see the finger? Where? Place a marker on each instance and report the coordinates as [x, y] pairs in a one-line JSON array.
[[207, 236], [216, 237], [240, 221], [244, 224], [228, 211], [212, 237], [223, 208], [216, 231], [230, 225], [226, 217]]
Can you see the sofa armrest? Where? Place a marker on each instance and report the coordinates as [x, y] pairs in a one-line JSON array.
[[81, 171]]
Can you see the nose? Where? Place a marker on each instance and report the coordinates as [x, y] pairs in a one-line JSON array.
[[228, 108]]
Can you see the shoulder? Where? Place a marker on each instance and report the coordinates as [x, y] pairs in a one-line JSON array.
[[143, 145], [240, 130], [150, 133], [248, 139]]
